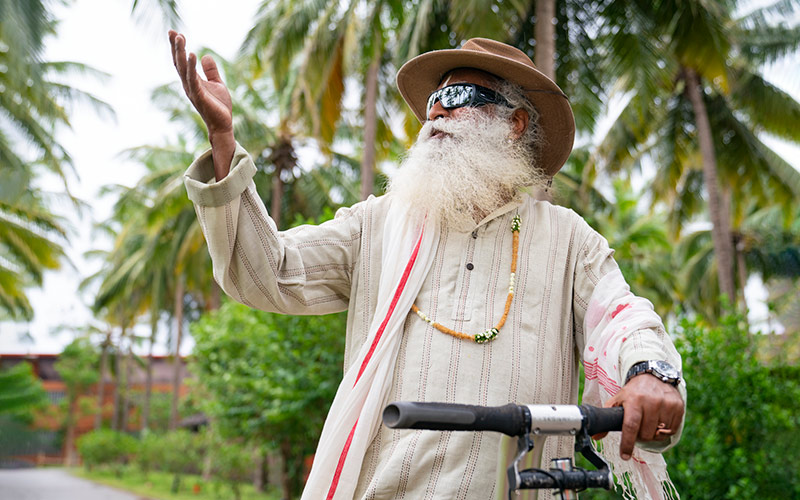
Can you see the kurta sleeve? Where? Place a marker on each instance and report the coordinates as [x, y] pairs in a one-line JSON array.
[[614, 328], [305, 270]]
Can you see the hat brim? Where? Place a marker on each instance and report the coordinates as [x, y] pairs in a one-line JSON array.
[[421, 75]]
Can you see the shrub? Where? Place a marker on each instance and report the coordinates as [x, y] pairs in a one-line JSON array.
[[232, 464], [106, 447], [740, 438]]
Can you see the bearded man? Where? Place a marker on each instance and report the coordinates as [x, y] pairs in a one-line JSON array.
[[459, 286]]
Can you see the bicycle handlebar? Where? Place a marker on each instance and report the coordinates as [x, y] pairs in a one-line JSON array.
[[577, 479], [510, 419]]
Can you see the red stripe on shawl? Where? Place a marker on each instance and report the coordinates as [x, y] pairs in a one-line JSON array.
[[393, 304], [594, 371], [340, 465]]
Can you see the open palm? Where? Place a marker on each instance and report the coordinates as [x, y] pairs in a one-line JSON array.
[[210, 97]]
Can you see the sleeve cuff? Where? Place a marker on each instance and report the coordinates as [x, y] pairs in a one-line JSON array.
[[204, 190]]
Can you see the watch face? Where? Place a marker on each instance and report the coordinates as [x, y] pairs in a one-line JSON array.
[[666, 369]]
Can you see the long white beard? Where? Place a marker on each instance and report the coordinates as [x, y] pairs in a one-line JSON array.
[[466, 174]]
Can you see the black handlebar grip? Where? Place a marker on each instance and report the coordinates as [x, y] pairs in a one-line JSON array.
[[597, 420], [578, 479], [511, 419]]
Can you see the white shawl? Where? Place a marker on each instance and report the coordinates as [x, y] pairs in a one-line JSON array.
[[355, 414], [613, 314]]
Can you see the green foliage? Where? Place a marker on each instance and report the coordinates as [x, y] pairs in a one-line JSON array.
[[177, 452], [271, 377], [740, 438], [106, 447], [78, 366], [232, 463], [20, 391], [149, 453]]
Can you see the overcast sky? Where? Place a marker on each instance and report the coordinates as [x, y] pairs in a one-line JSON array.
[[102, 34]]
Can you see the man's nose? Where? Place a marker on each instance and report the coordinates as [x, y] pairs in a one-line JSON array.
[[438, 111]]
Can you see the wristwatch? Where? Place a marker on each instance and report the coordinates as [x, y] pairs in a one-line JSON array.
[[661, 369]]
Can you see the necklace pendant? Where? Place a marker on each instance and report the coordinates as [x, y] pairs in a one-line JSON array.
[[486, 336]]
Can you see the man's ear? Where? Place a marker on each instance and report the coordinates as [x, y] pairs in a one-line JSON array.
[[519, 123]]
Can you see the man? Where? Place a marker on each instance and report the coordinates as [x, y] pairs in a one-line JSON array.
[[459, 286]]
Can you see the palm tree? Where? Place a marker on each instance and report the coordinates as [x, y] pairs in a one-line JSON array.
[[670, 49], [312, 50], [32, 102], [31, 242], [77, 368]]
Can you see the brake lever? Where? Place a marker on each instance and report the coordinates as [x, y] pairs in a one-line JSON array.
[[583, 445], [524, 446]]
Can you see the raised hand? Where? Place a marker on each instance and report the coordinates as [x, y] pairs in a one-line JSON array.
[[210, 97]]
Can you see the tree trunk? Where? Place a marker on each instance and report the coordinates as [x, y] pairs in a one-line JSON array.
[[741, 268], [148, 381], [370, 127], [544, 33], [101, 383], [286, 481], [284, 159], [258, 469], [208, 456], [70, 459], [126, 394], [718, 212], [117, 386], [177, 365], [277, 196]]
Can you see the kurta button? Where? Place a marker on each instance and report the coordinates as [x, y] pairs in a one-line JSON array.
[[475, 234], [470, 266]]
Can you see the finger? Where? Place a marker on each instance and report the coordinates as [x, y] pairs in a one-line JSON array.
[[180, 58], [210, 69], [649, 423], [630, 431], [677, 416], [172, 34], [191, 75]]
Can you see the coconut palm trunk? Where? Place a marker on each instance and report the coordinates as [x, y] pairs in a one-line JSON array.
[[370, 127], [148, 381], [284, 159], [101, 382], [717, 206], [118, 381], [70, 458], [177, 365], [126, 395], [277, 196], [545, 35]]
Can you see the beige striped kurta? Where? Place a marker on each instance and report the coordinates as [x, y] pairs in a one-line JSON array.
[[336, 266]]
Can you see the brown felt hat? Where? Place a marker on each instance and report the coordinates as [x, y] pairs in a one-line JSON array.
[[421, 75]]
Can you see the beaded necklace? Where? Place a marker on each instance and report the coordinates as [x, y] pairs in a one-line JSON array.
[[491, 333]]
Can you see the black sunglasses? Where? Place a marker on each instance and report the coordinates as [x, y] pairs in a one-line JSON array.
[[459, 95]]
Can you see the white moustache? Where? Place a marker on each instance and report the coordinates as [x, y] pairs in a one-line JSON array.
[[451, 127]]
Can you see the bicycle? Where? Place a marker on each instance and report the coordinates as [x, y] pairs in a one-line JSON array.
[[524, 422]]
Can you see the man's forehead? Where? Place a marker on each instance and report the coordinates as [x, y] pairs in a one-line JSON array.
[[469, 75]]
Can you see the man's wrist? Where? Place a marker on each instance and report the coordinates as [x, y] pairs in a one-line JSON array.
[[657, 368], [223, 145]]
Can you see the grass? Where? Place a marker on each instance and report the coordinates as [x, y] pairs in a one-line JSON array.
[[157, 485]]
